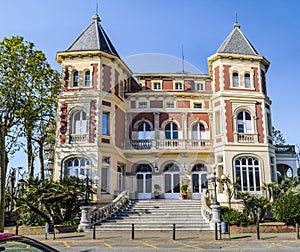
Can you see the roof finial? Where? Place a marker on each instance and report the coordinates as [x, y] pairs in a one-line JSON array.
[[96, 16], [236, 24]]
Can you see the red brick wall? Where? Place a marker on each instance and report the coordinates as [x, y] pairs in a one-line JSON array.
[[218, 103], [156, 104], [63, 122], [183, 104], [95, 76], [117, 83], [217, 78], [92, 121], [260, 125], [148, 84], [165, 116], [167, 85], [207, 86], [206, 104], [195, 116], [147, 116], [226, 76], [119, 126], [106, 78], [189, 84], [255, 79], [133, 104], [229, 121], [66, 78], [106, 103]]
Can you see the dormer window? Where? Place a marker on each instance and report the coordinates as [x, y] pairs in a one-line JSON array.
[[247, 80], [235, 80], [75, 79], [199, 86], [87, 78]]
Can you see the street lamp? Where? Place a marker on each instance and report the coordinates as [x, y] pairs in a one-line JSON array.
[[85, 221], [215, 205]]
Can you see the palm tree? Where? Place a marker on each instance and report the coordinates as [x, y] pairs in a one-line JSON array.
[[269, 188]]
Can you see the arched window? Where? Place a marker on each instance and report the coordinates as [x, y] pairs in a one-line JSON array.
[[171, 168], [247, 80], [87, 78], [78, 166], [144, 131], [79, 123], [199, 168], [247, 174], [171, 131], [244, 123], [75, 79], [235, 80], [198, 131]]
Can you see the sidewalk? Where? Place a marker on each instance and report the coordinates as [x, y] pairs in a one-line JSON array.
[[163, 241]]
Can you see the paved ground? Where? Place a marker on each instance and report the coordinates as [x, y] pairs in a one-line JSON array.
[[163, 241]]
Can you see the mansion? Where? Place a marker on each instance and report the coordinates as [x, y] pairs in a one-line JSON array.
[[131, 131]]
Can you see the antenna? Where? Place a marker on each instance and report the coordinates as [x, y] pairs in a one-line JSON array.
[[236, 17], [96, 8], [182, 55]]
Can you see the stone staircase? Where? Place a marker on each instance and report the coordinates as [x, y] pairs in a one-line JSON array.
[[158, 215]]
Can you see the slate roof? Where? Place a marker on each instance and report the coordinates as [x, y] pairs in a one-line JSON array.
[[93, 38], [237, 43]]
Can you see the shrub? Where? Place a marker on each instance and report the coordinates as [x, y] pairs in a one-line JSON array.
[[234, 217], [286, 209]]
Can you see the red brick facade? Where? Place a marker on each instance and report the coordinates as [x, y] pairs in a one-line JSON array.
[[229, 121]]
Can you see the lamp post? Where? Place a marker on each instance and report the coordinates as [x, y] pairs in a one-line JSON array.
[[85, 221], [215, 205]]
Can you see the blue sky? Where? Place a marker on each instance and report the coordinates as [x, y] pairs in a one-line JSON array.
[[156, 26]]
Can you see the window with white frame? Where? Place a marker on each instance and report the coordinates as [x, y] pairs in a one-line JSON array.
[[144, 131], [78, 167], [105, 123], [75, 79], [247, 80], [178, 86], [87, 79], [79, 123], [235, 79], [157, 85], [171, 131], [244, 122], [142, 104], [198, 131], [198, 105], [199, 86], [105, 175], [247, 174]]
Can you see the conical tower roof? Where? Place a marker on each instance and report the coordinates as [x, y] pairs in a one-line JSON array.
[[237, 43], [93, 38]]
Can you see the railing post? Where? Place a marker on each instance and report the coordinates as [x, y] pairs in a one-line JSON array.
[[132, 231], [94, 231], [174, 230], [257, 231]]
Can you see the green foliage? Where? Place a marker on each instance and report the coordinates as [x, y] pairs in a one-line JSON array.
[[56, 201], [184, 189], [254, 206], [278, 138], [29, 217], [73, 222], [286, 208], [234, 217]]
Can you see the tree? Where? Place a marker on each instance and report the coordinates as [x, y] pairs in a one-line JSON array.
[[14, 80], [269, 188], [278, 138], [231, 188]]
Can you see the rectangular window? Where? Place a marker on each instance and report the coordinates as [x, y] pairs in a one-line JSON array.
[[157, 85], [143, 105], [247, 80], [170, 105], [178, 86], [198, 105], [218, 123], [199, 86], [105, 123], [104, 175], [235, 80]]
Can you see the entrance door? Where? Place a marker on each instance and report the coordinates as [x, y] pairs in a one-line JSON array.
[[172, 182], [144, 181], [199, 179]]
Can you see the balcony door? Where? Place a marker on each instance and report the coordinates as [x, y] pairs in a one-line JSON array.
[[144, 181], [172, 181]]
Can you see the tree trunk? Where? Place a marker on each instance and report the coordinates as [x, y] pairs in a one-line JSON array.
[[3, 167], [30, 156], [41, 156]]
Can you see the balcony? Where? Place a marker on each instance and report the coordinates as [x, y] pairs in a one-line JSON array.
[[246, 138], [167, 144], [78, 138], [285, 149]]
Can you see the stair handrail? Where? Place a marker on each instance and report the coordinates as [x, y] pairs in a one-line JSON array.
[[205, 210], [112, 208]]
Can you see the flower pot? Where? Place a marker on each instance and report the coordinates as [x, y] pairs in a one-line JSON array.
[[156, 196], [183, 196]]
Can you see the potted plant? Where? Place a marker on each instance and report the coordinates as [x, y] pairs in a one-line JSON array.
[[184, 191], [156, 191]]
